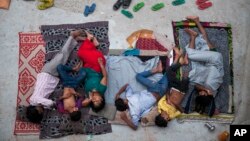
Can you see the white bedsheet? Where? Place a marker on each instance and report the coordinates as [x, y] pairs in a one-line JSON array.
[[122, 70]]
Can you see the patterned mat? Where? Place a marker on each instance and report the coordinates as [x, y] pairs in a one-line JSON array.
[[55, 124], [220, 35], [31, 57]]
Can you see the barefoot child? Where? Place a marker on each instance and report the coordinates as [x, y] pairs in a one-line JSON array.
[[169, 105], [68, 102]]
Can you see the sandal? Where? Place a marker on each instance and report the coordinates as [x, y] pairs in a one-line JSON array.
[[178, 2], [198, 2], [126, 4], [157, 6], [127, 13], [45, 5], [92, 8], [205, 5], [117, 5], [86, 11], [138, 6]]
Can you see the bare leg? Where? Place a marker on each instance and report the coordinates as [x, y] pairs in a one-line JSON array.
[[201, 29], [192, 35], [158, 68]]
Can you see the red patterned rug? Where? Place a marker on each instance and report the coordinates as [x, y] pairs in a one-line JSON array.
[[31, 60]]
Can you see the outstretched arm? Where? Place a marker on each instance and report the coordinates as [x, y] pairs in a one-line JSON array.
[[104, 80], [123, 88], [86, 102], [129, 122]]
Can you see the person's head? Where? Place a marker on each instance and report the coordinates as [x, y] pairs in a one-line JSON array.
[[121, 105], [34, 113], [201, 102], [161, 120], [75, 115], [97, 101]]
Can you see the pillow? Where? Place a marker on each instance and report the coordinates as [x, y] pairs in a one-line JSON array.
[[4, 4]]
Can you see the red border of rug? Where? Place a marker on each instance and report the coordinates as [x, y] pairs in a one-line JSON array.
[[31, 60]]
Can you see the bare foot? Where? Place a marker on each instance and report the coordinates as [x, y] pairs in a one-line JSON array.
[[178, 52], [144, 120], [77, 67], [95, 42], [159, 66], [193, 18], [191, 32], [184, 60]]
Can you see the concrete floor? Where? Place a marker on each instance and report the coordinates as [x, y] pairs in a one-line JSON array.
[[24, 17]]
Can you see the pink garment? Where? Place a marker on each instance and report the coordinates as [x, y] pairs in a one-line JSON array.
[[45, 85]]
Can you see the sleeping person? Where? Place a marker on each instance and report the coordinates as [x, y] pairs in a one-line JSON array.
[[70, 102]]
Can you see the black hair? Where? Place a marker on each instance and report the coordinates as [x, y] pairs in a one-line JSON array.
[[201, 102], [160, 121], [33, 114], [75, 116], [99, 107], [120, 105]]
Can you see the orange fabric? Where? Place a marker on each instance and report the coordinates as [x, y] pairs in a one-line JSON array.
[[4, 4], [89, 55], [143, 33]]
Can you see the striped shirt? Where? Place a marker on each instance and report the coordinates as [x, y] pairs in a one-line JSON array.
[[45, 85]]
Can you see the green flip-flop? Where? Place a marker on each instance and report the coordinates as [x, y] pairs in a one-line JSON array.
[[138, 6], [127, 14], [157, 6], [178, 2]]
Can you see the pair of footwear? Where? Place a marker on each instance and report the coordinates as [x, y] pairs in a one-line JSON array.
[[136, 8], [124, 3], [178, 2], [89, 9], [45, 4], [155, 7], [203, 4]]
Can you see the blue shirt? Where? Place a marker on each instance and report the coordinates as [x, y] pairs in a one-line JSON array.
[[139, 103]]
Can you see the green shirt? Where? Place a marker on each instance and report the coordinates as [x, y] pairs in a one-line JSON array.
[[92, 82]]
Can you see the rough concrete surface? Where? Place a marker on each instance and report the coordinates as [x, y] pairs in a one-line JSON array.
[[24, 17]]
